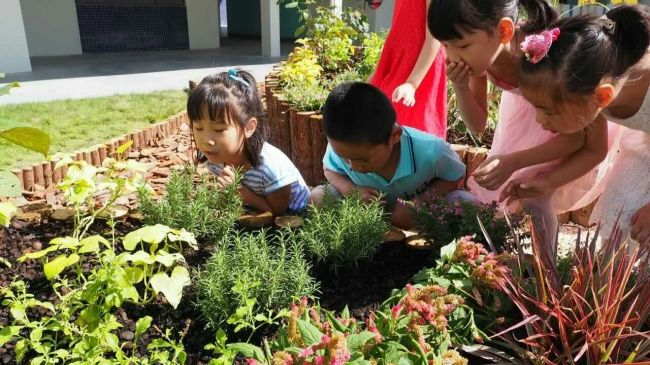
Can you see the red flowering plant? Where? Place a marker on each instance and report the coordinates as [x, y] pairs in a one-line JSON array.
[[465, 268], [415, 327], [597, 318]]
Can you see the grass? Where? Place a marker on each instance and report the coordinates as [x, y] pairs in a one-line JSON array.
[[79, 124]]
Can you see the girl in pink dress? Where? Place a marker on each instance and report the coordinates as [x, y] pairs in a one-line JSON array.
[[605, 75], [482, 41], [411, 70]]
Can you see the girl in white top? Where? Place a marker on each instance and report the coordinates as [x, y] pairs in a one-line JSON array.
[[596, 69]]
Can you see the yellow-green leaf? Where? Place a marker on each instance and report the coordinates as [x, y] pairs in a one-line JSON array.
[[7, 211], [121, 149], [31, 138]]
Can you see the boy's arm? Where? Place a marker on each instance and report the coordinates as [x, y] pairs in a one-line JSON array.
[[497, 169], [449, 171], [575, 166], [342, 183], [345, 186]]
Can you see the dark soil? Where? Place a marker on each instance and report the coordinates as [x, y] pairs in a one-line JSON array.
[[362, 289]]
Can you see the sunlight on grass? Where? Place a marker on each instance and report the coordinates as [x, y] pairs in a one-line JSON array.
[[79, 124]]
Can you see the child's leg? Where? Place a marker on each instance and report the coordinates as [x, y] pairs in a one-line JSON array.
[[545, 222], [318, 194]]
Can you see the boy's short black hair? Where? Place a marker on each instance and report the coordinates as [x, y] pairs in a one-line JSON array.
[[356, 112]]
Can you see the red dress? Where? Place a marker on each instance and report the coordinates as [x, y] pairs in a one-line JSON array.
[[400, 53]]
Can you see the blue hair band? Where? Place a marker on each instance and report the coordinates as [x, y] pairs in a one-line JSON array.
[[232, 73]]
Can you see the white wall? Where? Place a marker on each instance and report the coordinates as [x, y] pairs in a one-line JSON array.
[[52, 27], [13, 41], [203, 23]]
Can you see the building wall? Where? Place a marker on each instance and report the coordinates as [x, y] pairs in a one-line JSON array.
[[51, 27], [203, 23], [244, 19], [13, 41]]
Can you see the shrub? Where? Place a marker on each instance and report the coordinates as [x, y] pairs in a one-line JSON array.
[[343, 232], [372, 46], [302, 68], [270, 271], [200, 207]]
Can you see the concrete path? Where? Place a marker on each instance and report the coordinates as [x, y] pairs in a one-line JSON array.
[[83, 76]]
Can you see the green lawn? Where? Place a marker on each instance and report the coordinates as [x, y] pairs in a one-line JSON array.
[[78, 124]]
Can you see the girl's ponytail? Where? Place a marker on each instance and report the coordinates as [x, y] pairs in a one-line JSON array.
[[539, 13], [629, 28]]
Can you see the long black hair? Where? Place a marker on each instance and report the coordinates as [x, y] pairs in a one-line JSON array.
[[447, 18], [231, 96], [591, 48]]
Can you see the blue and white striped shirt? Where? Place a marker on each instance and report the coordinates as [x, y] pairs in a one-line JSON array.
[[274, 171]]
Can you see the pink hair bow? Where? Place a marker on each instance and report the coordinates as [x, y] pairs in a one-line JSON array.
[[536, 46]]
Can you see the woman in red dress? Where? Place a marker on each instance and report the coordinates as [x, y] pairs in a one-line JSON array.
[[411, 70]]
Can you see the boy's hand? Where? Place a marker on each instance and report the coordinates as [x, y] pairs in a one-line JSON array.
[[402, 216], [367, 194], [640, 229], [458, 73], [405, 93], [226, 178], [495, 171], [525, 188]]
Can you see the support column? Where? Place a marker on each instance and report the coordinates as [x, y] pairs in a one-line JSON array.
[[203, 23], [13, 40], [270, 28], [337, 5], [380, 19]]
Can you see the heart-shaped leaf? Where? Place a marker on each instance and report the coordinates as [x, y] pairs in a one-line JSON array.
[[150, 234], [91, 244], [140, 258], [168, 259], [171, 287], [54, 267]]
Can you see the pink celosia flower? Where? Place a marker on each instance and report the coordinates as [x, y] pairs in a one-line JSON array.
[[306, 352], [536, 46], [319, 360], [396, 310], [251, 362]]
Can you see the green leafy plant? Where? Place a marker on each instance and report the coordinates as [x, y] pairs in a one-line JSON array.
[[75, 331], [250, 278], [442, 221], [371, 51], [194, 205], [417, 326], [306, 97], [342, 232], [598, 318], [466, 268], [31, 138], [302, 68]]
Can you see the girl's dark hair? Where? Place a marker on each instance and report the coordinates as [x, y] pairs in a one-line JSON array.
[[231, 96], [447, 18], [590, 48]]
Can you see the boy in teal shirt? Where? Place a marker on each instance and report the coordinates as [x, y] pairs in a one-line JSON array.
[[370, 153]]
